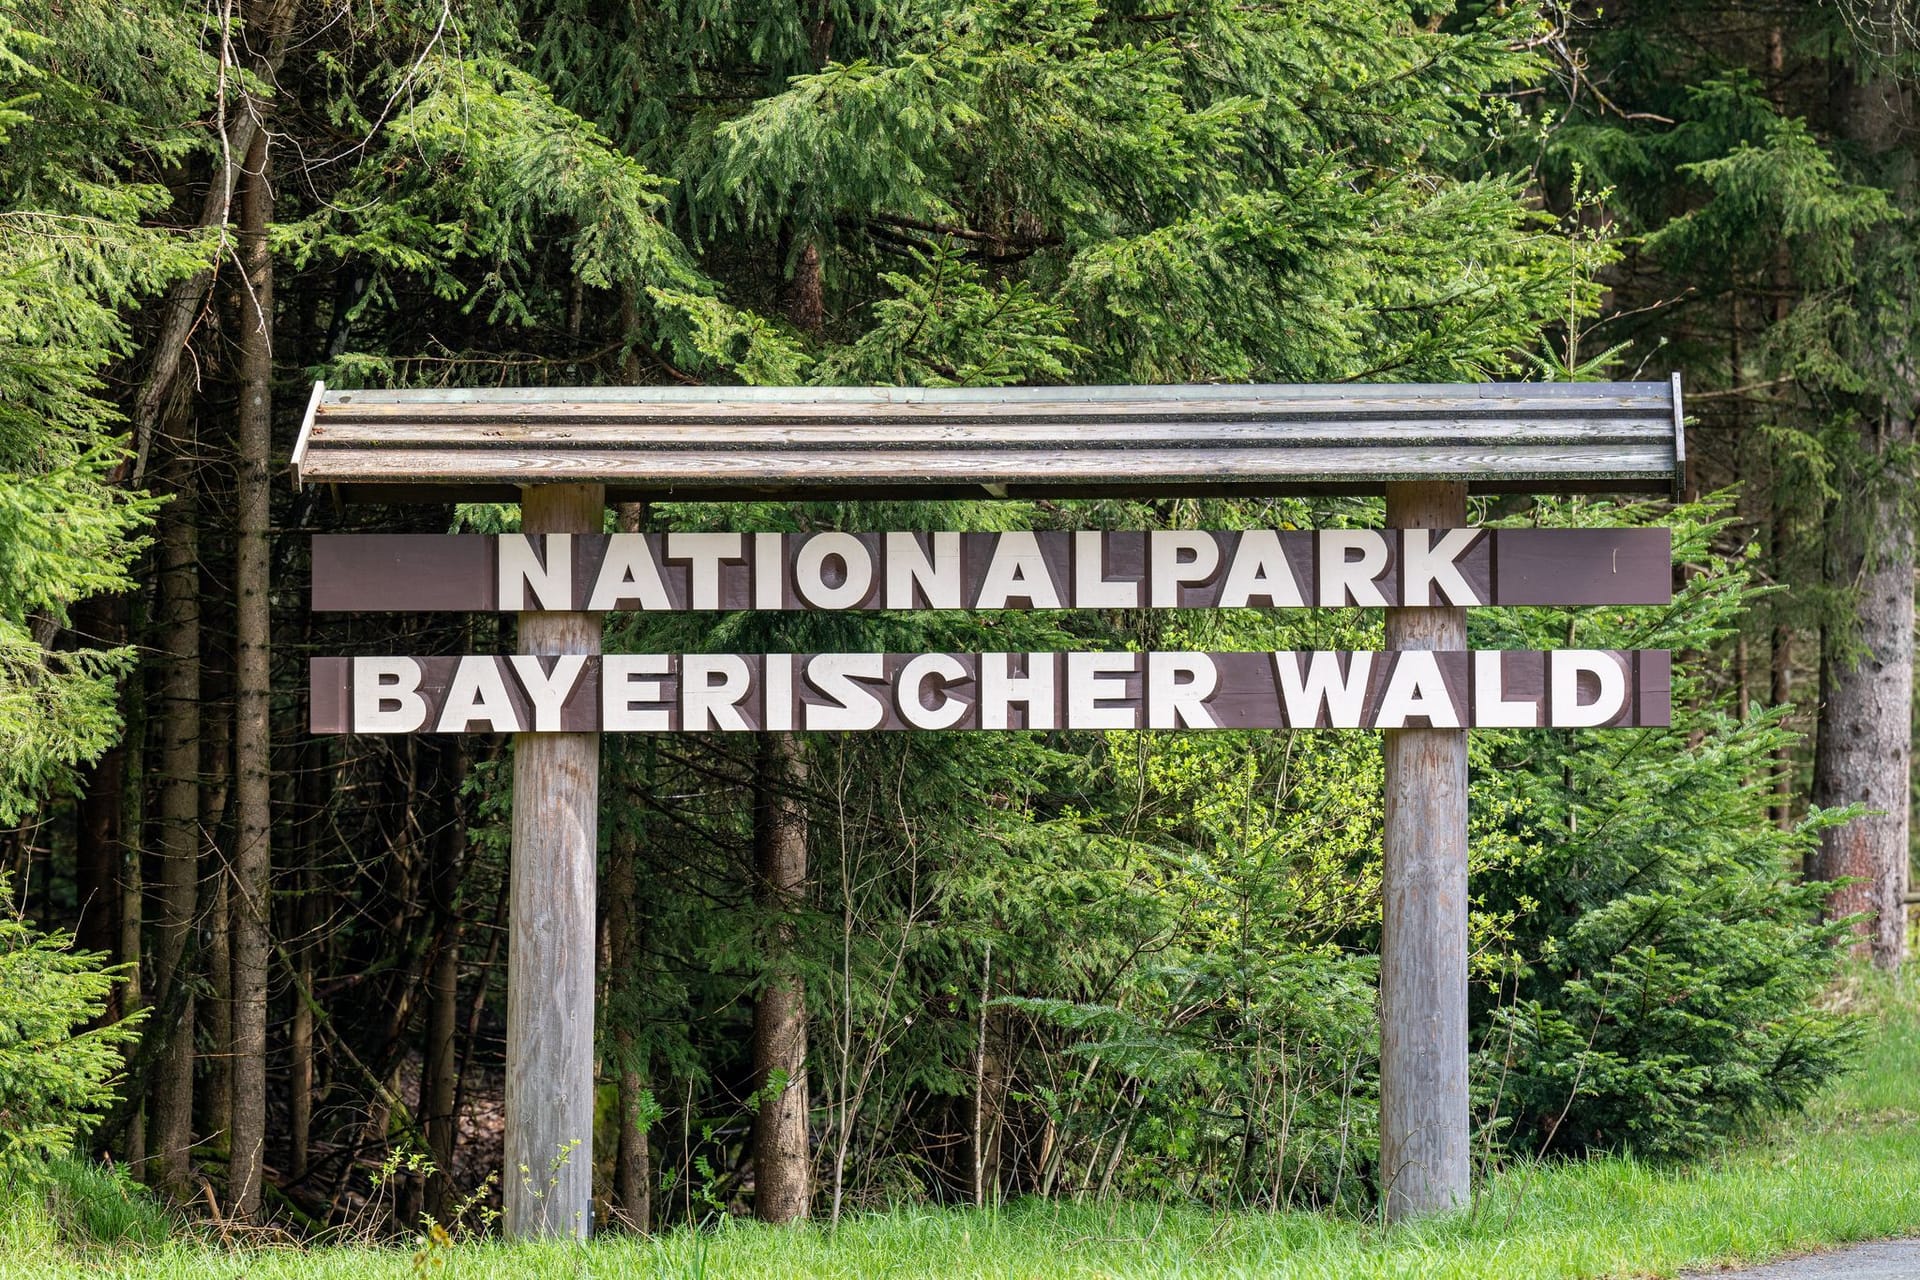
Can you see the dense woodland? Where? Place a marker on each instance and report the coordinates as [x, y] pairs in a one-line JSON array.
[[841, 971]]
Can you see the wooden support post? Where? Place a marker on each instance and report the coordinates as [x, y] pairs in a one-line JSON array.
[[550, 941], [1424, 1157]]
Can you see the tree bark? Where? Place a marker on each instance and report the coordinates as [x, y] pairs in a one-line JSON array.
[[1865, 733], [177, 834], [782, 1161], [633, 1165], [633, 1154], [100, 845], [252, 725], [439, 1075]]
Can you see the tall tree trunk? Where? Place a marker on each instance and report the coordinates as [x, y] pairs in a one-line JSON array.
[[633, 1166], [439, 1073], [314, 783], [100, 846], [238, 127], [1866, 728], [782, 1161], [213, 1072], [177, 834], [253, 811], [633, 1157]]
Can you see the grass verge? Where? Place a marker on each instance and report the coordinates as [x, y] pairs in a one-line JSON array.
[[1849, 1170]]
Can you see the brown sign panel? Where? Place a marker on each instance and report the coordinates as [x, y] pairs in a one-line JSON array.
[[659, 693], [1189, 569]]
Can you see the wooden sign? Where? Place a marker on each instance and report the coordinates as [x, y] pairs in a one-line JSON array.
[[738, 693], [1163, 569]]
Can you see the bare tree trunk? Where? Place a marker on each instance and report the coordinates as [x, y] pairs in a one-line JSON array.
[[782, 1161], [1865, 723], [310, 790], [632, 1169], [253, 764], [439, 1074], [100, 845], [131, 1133], [170, 1101], [1866, 728], [213, 1083], [633, 1155]]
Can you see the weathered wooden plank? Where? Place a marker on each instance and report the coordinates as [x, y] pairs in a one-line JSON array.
[[1017, 401], [828, 469], [548, 1180], [800, 442], [1402, 431], [640, 416], [1424, 1157]]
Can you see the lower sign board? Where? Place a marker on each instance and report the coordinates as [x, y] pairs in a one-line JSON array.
[[660, 693]]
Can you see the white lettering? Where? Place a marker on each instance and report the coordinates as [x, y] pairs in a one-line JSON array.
[[625, 689], [703, 553], [937, 575], [777, 711], [941, 669], [478, 692], [548, 693], [1091, 587], [1176, 558], [711, 686], [999, 689], [769, 571], [1260, 569], [1094, 678], [1491, 709], [838, 676], [386, 696], [628, 573], [1178, 686], [1018, 570], [1567, 666], [1425, 564], [809, 571], [1341, 577], [1324, 689], [519, 568], [1416, 688]]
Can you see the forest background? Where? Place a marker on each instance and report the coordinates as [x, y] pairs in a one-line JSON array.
[[842, 973]]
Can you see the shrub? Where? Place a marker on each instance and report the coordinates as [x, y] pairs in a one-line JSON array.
[[1662, 965], [55, 1081]]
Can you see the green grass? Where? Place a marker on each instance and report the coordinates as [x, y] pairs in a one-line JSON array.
[[1849, 1171]]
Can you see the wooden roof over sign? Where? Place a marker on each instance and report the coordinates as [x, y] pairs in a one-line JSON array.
[[811, 443]]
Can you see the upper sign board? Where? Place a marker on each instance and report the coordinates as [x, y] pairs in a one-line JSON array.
[[1163, 569]]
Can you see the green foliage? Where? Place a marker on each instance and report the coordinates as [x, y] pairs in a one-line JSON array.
[[75, 259], [1852, 1175], [93, 1204], [55, 1079], [1662, 967]]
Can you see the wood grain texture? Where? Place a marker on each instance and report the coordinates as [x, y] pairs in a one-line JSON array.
[[548, 1176], [1424, 1156], [801, 441]]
